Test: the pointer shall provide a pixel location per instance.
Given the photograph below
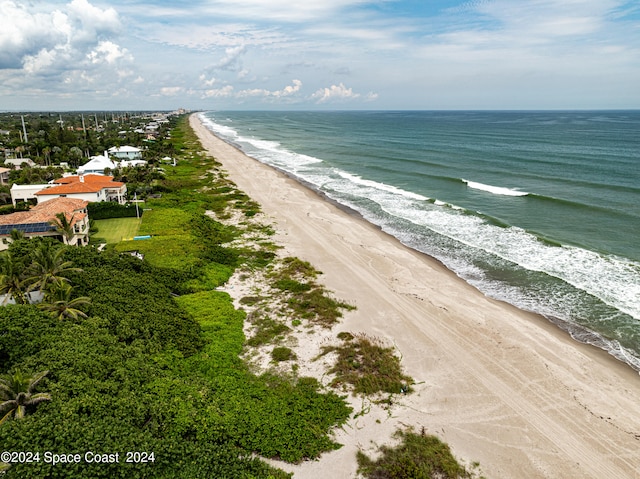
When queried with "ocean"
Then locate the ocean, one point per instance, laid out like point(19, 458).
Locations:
point(537, 209)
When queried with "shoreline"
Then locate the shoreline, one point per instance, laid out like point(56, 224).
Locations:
point(501, 386)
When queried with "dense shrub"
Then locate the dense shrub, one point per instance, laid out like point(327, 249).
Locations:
point(418, 456)
point(109, 209)
point(282, 353)
point(368, 366)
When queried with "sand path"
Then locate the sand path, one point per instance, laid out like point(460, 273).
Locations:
point(501, 386)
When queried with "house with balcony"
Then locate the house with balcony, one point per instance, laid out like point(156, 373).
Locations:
point(41, 221)
point(94, 188)
point(125, 153)
point(97, 165)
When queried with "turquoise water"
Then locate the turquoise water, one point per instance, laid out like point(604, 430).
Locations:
point(538, 209)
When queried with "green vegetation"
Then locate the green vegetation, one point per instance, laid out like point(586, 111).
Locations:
point(17, 393)
point(155, 365)
point(108, 209)
point(367, 366)
point(418, 456)
point(304, 297)
point(282, 353)
point(114, 230)
point(266, 329)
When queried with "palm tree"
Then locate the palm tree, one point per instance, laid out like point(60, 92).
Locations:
point(17, 394)
point(64, 226)
point(48, 267)
point(12, 279)
point(16, 234)
point(59, 304)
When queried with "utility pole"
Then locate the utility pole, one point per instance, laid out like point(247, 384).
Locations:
point(24, 129)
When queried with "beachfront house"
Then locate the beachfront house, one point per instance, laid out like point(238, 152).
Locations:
point(125, 153)
point(97, 165)
point(92, 187)
point(39, 221)
point(26, 193)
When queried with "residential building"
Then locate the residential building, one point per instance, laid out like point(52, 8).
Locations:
point(17, 162)
point(25, 193)
point(40, 221)
point(92, 187)
point(97, 165)
point(121, 153)
point(4, 175)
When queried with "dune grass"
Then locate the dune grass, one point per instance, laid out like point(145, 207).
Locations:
point(419, 456)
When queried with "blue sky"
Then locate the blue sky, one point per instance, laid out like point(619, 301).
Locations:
point(319, 54)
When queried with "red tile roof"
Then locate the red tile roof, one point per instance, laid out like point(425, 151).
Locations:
point(72, 184)
point(47, 211)
point(87, 179)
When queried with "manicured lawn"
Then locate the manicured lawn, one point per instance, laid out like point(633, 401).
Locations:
point(116, 229)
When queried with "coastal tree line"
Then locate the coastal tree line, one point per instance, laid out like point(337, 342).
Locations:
point(51, 140)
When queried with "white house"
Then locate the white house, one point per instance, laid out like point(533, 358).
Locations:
point(97, 164)
point(92, 187)
point(4, 175)
point(17, 162)
point(26, 192)
point(132, 163)
point(121, 153)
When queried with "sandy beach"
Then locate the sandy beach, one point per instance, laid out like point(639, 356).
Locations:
point(502, 387)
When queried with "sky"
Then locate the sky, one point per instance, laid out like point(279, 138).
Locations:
point(319, 55)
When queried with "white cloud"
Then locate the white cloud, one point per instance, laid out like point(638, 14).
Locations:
point(282, 10)
point(171, 90)
point(231, 61)
point(334, 93)
point(28, 33)
point(287, 91)
point(37, 39)
point(40, 61)
point(108, 52)
point(223, 92)
point(91, 22)
point(228, 91)
point(241, 52)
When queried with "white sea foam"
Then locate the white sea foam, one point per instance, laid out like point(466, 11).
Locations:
point(270, 152)
point(613, 280)
point(381, 186)
point(222, 130)
point(496, 190)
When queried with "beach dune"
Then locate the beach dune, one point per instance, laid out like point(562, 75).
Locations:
point(502, 387)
